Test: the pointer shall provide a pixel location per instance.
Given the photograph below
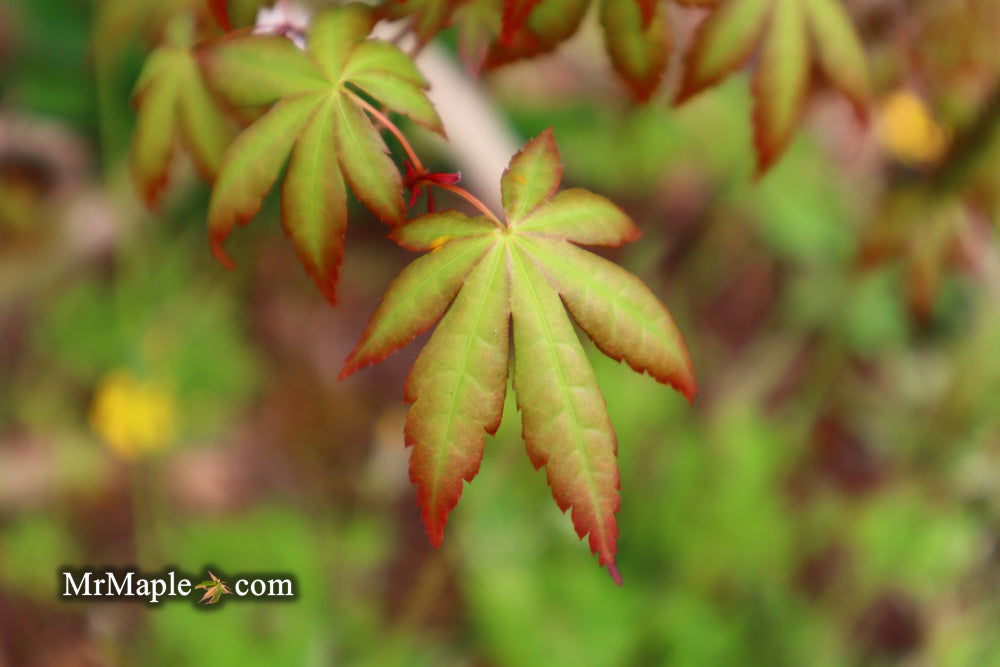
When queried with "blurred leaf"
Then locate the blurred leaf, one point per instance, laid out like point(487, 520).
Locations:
point(906, 541)
point(637, 43)
point(172, 101)
point(479, 23)
point(427, 17)
point(515, 15)
point(548, 24)
point(782, 29)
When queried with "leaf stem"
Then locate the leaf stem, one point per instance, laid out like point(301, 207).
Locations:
point(389, 125)
point(469, 197)
point(418, 165)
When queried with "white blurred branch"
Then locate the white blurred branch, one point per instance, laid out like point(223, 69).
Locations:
point(480, 141)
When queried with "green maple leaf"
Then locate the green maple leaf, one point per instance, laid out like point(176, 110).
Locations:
point(172, 101)
point(637, 40)
point(788, 35)
point(636, 35)
point(534, 28)
point(215, 588)
point(478, 279)
point(316, 116)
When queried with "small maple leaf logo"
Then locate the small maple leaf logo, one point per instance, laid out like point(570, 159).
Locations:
point(214, 589)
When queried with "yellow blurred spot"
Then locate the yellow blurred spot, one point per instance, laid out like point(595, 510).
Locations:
point(439, 241)
point(907, 129)
point(133, 417)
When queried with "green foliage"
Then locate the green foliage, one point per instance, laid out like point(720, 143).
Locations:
point(159, 321)
point(248, 634)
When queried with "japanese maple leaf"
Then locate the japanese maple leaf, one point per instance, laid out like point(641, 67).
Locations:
point(788, 35)
point(477, 23)
point(479, 278)
point(532, 28)
point(637, 40)
point(215, 588)
point(636, 35)
point(173, 102)
point(497, 32)
point(235, 13)
point(316, 116)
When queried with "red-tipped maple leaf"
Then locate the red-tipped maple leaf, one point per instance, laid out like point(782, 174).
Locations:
point(543, 27)
point(173, 103)
point(787, 35)
point(316, 117)
point(637, 40)
point(487, 281)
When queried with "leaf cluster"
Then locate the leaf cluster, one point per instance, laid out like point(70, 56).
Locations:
point(787, 35)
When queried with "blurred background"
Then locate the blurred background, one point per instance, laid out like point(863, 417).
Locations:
point(832, 497)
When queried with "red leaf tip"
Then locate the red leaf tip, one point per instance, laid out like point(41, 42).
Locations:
point(220, 254)
point(220, 12)
point(350, 367)
point(434, 528)
point(615, 575)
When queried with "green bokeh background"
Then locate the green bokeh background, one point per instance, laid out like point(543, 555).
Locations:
point(830, 499)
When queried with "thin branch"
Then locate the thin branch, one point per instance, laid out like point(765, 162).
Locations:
point(418, 165)
point(389, 125)
point(398, 38)
point(469, 197)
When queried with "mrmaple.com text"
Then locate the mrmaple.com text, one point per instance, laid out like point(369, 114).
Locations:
point(131, 585)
